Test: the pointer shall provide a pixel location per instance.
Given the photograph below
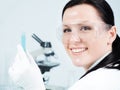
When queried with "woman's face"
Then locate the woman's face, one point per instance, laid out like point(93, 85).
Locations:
point(85, 37)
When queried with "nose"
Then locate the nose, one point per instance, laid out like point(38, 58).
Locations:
point(75, 37)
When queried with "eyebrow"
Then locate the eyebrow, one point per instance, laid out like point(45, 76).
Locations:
point(78, 23)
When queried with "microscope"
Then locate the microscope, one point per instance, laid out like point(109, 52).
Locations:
point(46, 64)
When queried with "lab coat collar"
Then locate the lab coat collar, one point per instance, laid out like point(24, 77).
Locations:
point(98, 64)
point(99, 60)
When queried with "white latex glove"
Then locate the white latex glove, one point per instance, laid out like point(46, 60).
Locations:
point(25, 73)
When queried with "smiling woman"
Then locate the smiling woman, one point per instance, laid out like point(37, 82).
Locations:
point(90, 39)
point(81, 39)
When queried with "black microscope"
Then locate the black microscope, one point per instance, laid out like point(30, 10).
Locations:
point(45, 65)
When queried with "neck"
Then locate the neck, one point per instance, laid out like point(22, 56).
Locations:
point(97, 61)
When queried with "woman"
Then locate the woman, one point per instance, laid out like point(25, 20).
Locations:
point(90, 39)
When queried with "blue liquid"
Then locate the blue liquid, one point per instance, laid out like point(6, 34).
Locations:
point(23, 41)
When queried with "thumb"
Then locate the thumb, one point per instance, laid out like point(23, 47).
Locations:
point(22, 55)
point(31, 60)
point(21, 52)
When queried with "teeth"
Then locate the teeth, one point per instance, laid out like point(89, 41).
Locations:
point(78, 50)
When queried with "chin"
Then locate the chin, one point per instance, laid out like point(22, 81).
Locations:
point(77, 64)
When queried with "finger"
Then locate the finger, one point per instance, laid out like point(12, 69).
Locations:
point(32, 61)
point(20, 50)
point(22, 54)
point(34, 64)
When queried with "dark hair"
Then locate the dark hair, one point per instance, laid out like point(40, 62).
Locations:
point(106, 14)
point(101, 6)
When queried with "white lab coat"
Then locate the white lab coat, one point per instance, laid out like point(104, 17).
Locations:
point(100, 79)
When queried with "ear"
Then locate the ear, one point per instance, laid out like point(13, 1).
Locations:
point(112, 34)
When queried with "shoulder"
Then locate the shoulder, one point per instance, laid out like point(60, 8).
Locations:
point(101, 79)
point(104, 73)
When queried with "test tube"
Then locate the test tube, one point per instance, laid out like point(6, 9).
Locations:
point(23, 41)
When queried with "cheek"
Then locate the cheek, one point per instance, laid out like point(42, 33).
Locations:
point(97, 47)
point(64, 44)
point(95, 44)
point(66, 47)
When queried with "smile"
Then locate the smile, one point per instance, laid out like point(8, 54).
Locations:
point(78, 50)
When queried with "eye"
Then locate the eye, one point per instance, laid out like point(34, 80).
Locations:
point(66, 30)
point(84, 28)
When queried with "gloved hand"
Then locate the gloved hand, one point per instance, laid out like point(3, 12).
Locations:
point(25, 73)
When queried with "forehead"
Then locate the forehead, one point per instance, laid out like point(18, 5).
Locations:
point(83, 12)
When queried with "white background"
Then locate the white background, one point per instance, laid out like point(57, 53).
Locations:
point(42, 18)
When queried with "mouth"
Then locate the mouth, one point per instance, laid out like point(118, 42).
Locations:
point(78, 50)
